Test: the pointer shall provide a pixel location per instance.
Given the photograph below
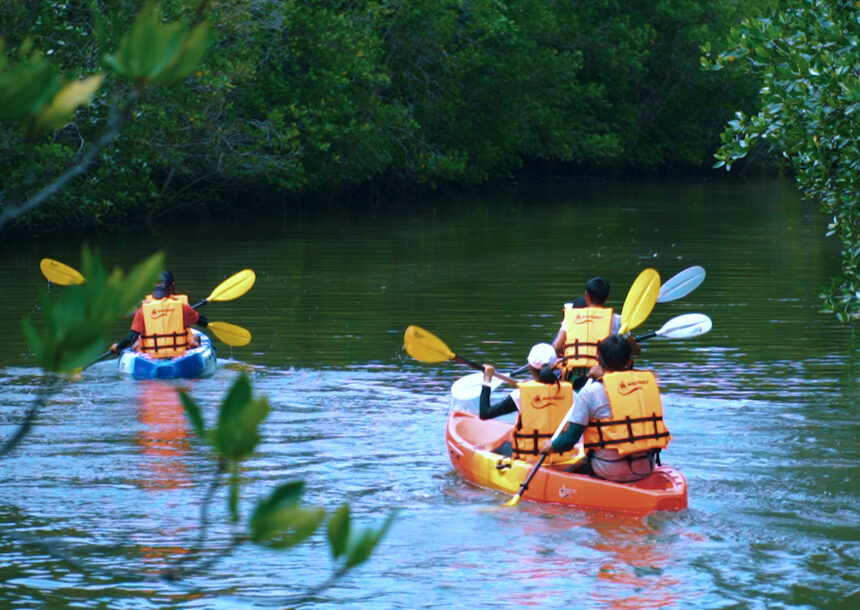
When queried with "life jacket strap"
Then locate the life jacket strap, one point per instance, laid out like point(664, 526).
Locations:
point(576, 345)
point(176, 340)
point(628, 422)
point(521, 439)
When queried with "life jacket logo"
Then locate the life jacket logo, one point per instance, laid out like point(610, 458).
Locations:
point(158, 314)
point(564, 492)
point(540, 402)
point(585, 319)
point(625, 388)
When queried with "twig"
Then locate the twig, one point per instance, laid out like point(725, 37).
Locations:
point(116, 119)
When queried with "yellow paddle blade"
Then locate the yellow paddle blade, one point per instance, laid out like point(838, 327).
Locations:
point(640, 300)
point(425, 346)
point(230, 333)
point(513, 501)
point(60, 274)
point(234, 286)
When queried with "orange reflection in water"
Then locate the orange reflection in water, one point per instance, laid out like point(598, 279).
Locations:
point(601, 559)
point(637, 566)
point(165, 445)
point(164, 438)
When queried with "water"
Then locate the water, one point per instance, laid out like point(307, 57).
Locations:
point(763, 410)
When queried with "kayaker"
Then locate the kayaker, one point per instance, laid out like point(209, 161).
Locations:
point(163, 322)
point(586, 322)
point(619, 449)
point(542, 404)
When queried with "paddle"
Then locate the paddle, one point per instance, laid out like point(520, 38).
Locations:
point(427, 347)
point(682, 327)
point(58, 273)
point(637, 307)
point(232, 288)
point(469, 386)
point(681, 284)
point(230, 334)
point(640, 300)
point(525, 484)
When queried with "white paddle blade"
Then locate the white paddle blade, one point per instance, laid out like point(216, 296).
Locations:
point(681, 284)
point(468, 387)
point(685, 326)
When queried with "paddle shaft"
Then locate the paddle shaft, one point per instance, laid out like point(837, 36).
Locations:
point(478, 367)
point(99, 359)
point(525, 484)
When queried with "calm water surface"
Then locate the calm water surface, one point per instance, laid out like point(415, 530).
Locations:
point(763, 410)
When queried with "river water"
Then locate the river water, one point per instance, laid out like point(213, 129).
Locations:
point(106, 490)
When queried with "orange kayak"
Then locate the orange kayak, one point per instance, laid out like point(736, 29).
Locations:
point(469, 441)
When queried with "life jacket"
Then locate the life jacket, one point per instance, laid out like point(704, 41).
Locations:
point(165, 334)
point(585, 327)
point(636, 423)
point(542, 407)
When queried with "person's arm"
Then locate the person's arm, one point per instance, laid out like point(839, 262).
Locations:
point(488, 411)
point(137, 329)
point(558, 342)
point(190, 316)
point(130, 338)
point(485, 409)
point(567, 439)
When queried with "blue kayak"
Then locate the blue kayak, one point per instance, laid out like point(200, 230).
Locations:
point(196, 362)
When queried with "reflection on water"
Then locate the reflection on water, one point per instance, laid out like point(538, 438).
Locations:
point(164, 436)
point(763, 412)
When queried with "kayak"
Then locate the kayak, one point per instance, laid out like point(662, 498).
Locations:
point(196, 362)
point(470, 441)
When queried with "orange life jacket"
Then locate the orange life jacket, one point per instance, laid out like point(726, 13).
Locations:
point(584, 327)
point(165, 334)
point(542, 407)
point(636, 423)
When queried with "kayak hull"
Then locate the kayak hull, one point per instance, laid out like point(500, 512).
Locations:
point(198, 362)
point(470, 440)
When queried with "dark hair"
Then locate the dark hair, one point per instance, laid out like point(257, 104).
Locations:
point(166, 278)
point(614, 353)
point(162, 287)
point(547, 375)
point(598, 289)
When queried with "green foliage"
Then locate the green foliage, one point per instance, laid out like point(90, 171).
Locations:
point(239, 418)
point(153, 52)
point(33, 91)
point(78, 323)
point(357, 548)
point(318, 97)
point(278, 521)
point(25, 87)
point(805, 57)
point(338, 531)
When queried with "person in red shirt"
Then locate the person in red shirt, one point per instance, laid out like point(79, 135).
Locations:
point(164, 290)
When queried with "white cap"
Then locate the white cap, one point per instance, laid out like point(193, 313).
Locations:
point(541, 354)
